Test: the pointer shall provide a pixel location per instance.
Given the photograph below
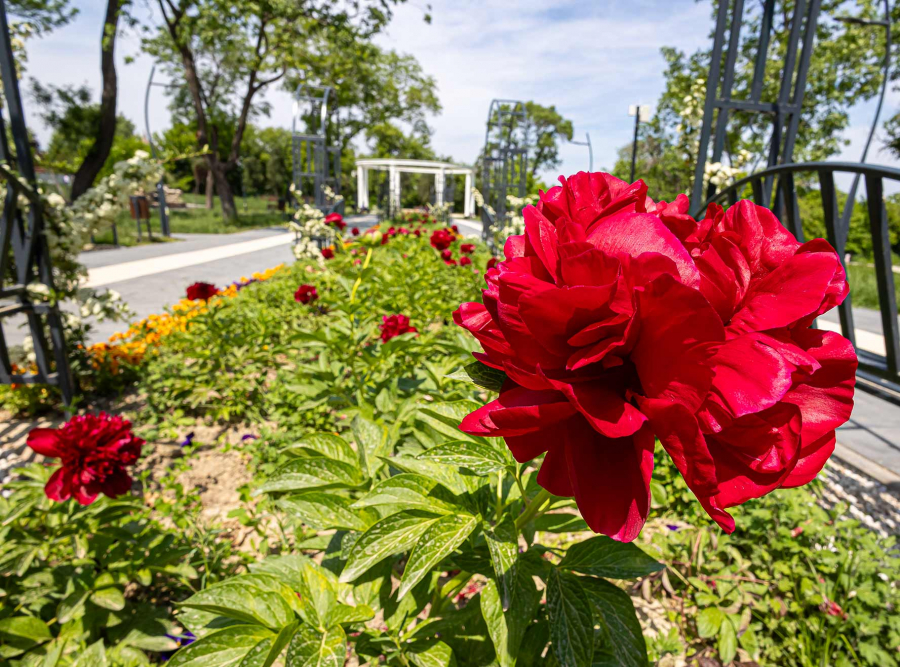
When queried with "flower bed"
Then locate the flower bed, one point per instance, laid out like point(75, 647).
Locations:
point(385, 533)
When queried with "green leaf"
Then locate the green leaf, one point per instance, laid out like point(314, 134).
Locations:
point(503, 545)
point(109, 598)
point(311, 648)
point(446, 417)
point(437, 542)
point(26, 627)
point(622, 638)
point(329, 445)
point(266, 652)
point(479, 457)
point(604, 557)
point(73, 605)
point(93, 656)
point(392, 535)
point(727, 641)
point(251, 598)
point(409, 491)
point(371, 441)
point(447, 477)
point(431, 654)
point(560, 523)
point(344, 613)
point(507, 628)
point(326, 511)
point(571, 619)
point(481, 375)
point(709, 621)
point(315, 587)
point(224, 648)
point(312, 473)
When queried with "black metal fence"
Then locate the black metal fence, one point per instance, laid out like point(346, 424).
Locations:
point(878, 373)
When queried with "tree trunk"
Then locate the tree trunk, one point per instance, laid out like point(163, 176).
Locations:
point(210, 189)
point(106, 131)
point(226, 195)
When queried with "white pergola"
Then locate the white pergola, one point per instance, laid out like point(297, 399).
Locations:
point(396, 166)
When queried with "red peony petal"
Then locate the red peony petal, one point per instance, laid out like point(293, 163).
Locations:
point(541, 234)
point(59, 486)
point(604, 409)
point(46, 442)
point(554, 472)
point(812, 459)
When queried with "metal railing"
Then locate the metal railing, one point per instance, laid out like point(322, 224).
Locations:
point(775, 188)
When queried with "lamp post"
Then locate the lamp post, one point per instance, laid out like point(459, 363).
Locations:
point(886, 24)
point(160, 187)
point(641, 112)
point(587, 143)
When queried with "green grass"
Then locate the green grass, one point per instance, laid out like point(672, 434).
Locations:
point(864, 288)
point(253, 213)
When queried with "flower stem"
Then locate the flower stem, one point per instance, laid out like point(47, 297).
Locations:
point(532, 508)
point(359, 279)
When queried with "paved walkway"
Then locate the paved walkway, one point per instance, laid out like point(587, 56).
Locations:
point(153, 276)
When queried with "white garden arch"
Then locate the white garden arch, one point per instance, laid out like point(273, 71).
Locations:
point(396, 166)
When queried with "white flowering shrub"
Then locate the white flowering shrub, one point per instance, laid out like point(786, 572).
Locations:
point(308, 224)
point(513, 222)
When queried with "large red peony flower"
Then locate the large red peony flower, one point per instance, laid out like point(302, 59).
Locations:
point(305, 294)
point(201, 291)
point(95, 451)
point(442, 238)
point(335, 219)
point(616, 324)
point(394, 325)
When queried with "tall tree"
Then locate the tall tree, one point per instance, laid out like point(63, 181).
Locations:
point(106, 123)
point(547, 128)
point(229, 51)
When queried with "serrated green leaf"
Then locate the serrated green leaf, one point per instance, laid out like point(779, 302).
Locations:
point(392, 535)
point(311, 648)
point(409, 491)
point(224, 648)
point(437, 542)
point(431, 654)
point(709, 621)
point(372, 443)
point(326, 511)
point(329, 445)
point(252, 598)
point(604, 557)
point(621, 637)
point(479, 457)
point(481, 375)
point(571, 620)
point(312, 473)
point(503, 545)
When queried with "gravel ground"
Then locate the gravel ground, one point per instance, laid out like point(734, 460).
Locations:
point(872, 503)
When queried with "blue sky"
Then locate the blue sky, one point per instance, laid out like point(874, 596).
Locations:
point(590, 58)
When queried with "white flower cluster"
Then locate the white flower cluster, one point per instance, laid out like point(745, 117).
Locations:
point(514, 222)
point(309, 224)
point(331, 195)
point(440, 213)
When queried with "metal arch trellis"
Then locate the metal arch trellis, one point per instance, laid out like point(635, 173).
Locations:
point(784, 111)
point(24, 253)
point(316, 163)
point(504, 159)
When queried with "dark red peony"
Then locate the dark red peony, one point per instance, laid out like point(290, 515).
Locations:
point(394, 325)
point(305, 294)
point(491, 263)
point(355, 231)
point(447, 254)
point(201, 291)
point(467, 248)
point(94, 450)
point(465, 261)
point(335, 219)
point(616, 325)
point(328, 252)
point(442, 238)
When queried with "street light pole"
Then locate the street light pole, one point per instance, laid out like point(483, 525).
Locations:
point(641, 112)
point(160, 187)
point(587, 143)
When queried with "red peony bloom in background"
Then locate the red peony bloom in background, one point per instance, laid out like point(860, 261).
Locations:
point(617, 321)
point(491, 263)
point(201, 291)
point(464, 261)
point(394, 325)
point(442, 238)
point(305, 294)
point(328, 253)
point(355, 231)
point(467, 248)
point(94, 450)
point(447, 254)
point(335, 219)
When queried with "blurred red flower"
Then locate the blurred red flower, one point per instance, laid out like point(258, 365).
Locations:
point(355, 231)
point(465, 261)
point(328, 253)
point(94, 451)
point(305, 294)
point(335, 219)
point(201, 291)
point(394, 325)
point(467, 248)
point(442, 238)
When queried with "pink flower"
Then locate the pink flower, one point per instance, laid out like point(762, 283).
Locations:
point(94, 451)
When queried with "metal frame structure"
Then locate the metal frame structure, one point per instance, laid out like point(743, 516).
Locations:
point(24, 253)
point(785, 111)
point(160, 186)
point(316, 163)
point(504, 159)
point(879, 370)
